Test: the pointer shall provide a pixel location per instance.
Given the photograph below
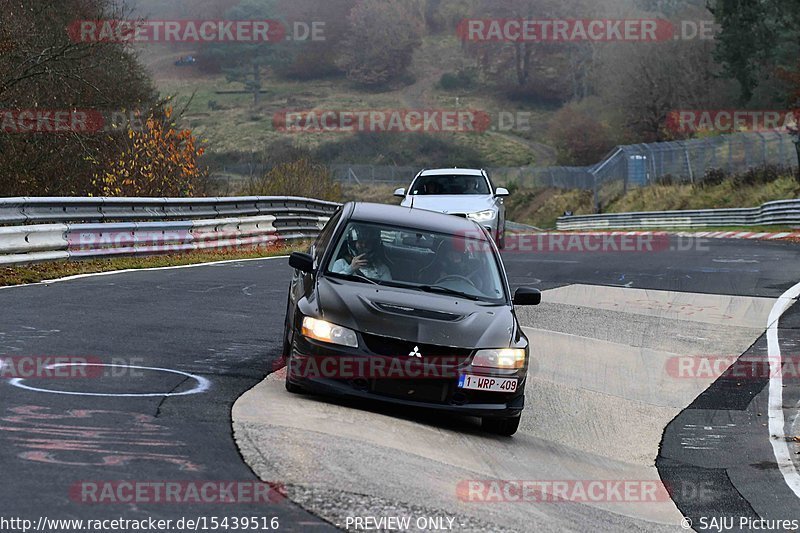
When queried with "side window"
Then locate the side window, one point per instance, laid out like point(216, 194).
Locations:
point(321, 244)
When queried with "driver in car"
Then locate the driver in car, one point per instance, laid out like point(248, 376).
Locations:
point(454, 260)
point(363, 255)
point(472, 186)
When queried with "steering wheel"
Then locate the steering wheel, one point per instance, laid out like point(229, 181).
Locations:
point(456, 277)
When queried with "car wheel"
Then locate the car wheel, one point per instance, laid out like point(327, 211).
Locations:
point(287, 356)
point(501, 426)
point(292, 387)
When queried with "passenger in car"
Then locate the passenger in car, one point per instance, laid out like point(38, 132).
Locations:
point(363, 254)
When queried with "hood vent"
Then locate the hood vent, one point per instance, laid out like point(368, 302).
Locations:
point(403, 310)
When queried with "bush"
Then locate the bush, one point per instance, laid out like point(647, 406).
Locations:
point(760, 175)
point(459, 81)
point(713, 177)
point(302, 177)
point(750, 178)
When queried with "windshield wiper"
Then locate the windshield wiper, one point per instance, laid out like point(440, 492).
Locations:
point(444, 290)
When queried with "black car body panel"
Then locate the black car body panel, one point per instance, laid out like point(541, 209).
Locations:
point(394, 322)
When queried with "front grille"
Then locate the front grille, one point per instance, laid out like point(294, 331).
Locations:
point(390, 347)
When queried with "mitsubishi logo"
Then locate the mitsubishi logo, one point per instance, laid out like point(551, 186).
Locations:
point(415, 353)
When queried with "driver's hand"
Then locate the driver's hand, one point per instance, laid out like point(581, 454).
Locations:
point(358, 262)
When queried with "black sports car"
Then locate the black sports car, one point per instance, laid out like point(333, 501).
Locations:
point(410, 307)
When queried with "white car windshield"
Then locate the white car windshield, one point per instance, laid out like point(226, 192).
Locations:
point(460, 265)
point(450, 185)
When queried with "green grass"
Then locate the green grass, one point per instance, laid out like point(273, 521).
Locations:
point(22, 274)
point(235, 125)
point(751, 229)
point(541, 207)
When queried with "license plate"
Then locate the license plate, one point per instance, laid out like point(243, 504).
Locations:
point(469, 382)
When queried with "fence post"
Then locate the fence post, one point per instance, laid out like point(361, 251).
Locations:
point(688, 161)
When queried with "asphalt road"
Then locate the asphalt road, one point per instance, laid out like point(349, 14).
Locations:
point(222, 322)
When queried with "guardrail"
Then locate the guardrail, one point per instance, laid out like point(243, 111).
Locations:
point(47, 229)
point(784, 212)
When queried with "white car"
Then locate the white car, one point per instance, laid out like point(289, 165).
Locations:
point(462, 192)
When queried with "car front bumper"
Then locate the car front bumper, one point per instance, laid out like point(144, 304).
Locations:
point(432, 393)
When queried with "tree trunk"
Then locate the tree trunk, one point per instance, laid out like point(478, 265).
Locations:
point(256, 85)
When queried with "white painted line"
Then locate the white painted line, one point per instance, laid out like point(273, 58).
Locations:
point(154, 269)
point(780, 235)
point(777, 423)
point(202, 383)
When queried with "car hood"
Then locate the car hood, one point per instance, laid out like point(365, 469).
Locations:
point(416, 316)
point(453, 204)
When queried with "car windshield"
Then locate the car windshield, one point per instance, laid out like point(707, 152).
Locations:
point(459, 265)
point(450, 184)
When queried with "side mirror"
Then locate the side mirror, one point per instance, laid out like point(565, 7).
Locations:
point(302, 262)
point(526, 296)
point(400, 193)
point(501, 192)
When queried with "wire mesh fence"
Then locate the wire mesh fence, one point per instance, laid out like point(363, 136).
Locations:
point(689, 161)
point(635, 165)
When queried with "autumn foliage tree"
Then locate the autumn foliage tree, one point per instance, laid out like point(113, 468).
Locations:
point(579, 137)
point(382, 40)
point(42, 67)
point(159, 160)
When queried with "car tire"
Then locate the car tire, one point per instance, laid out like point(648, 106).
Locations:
point(287, 356)
point(505, 426)
point(292, 387)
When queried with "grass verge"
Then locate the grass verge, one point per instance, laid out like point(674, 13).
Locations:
point(541, 207)
point(22, 274)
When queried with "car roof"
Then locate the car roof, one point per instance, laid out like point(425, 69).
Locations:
point(452, 172)
point(418, 219)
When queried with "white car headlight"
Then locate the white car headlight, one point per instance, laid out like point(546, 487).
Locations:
point(320, 330)
point(507, 358)
point(482, 216)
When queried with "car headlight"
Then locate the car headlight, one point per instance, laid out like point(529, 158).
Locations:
point(320, 330)
point(507, 358)
point(482, 216)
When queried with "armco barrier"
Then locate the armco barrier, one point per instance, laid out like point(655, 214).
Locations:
point(784, 212)
point(76, 228)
